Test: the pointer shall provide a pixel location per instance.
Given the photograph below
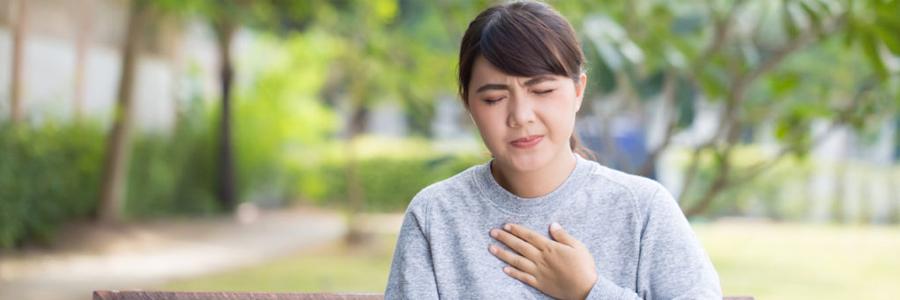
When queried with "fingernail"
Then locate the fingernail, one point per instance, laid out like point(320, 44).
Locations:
point(493, 249)
point(494, 232)
point(506, 269)
point(507, 227)
point(555, 226)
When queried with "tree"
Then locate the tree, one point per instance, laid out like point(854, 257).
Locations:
point(225, 18)
point(224, 26)
point(746, 58)
point(118, 147)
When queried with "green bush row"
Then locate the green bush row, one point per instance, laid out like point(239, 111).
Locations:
point(386, 184)
point(50, 174)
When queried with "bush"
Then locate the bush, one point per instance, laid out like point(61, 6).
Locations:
point(390, 173)
point(51, 174)
point(173, 174)
point(48, 175)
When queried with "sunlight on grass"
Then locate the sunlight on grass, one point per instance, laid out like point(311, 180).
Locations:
point(801, 261)
point(764, 260)
point(333, 268)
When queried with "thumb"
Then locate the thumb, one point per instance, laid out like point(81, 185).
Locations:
point(560, 235)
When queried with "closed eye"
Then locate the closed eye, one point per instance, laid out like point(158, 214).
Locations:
point(542, 92)
point(493, 101)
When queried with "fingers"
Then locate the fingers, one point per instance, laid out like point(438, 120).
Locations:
point(560, 235)
point(521, 276)
point(528, 235)
point(515, 243)
point(513, 259)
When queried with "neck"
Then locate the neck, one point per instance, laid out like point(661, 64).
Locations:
point(538, 182)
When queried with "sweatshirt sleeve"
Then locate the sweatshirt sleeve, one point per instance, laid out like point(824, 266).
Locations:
point(412, 271)
point(672, 263)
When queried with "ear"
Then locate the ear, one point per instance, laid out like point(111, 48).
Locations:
point(580, 87)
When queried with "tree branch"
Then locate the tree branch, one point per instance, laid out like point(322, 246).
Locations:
point(668, 95)
point(842, 119)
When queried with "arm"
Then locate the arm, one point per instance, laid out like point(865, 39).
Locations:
point(412, 271)
point(562, 268)
point(672, 263)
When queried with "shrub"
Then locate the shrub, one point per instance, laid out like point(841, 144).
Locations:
point(48, 175)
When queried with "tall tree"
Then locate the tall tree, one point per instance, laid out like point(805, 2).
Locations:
point(224, 26)
point(118, 142)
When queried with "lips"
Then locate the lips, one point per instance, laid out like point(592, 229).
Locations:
point(527, 142)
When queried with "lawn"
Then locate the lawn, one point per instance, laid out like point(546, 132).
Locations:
point(802, 261)
point(765, 260)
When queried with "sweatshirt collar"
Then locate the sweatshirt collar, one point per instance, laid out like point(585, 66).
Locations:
point(509, 202)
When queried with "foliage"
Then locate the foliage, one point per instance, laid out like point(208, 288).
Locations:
point(752, 62)
point(391, 172)
point(313, 62)
point(48, 175)
point(173, 174)
point(281, 111)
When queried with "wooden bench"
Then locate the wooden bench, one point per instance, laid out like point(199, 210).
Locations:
point(153, 295)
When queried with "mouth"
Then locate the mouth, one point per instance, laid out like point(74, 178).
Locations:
point(527, 142)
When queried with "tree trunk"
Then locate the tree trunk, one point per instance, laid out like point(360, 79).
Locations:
point(85, 12)
point(18, 58)
point(356, 235)
point(225, 28)
point(118, 146)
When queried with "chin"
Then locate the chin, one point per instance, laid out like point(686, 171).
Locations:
point(528, 162)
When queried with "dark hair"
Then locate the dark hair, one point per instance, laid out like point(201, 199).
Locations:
point(522, 39)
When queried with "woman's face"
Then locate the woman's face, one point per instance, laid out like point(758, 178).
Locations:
point(525, 122)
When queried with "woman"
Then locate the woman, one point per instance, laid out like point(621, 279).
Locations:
point(538, 220)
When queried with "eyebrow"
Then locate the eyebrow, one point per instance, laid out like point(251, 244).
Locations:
point(497, 86)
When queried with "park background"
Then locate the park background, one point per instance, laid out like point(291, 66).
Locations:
point(273, 145)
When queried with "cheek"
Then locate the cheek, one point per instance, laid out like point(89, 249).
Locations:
point(489, 124)
point(560, 119)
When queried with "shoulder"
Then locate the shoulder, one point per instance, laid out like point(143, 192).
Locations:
point(643, 192)
point(460, 184)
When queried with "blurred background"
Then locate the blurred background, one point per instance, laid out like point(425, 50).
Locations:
point(273, 145)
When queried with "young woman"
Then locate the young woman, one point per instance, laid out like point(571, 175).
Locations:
point(538, 220)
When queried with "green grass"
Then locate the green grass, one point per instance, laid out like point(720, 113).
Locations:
point(802, 261)
point(332, 268)
point(764, 260)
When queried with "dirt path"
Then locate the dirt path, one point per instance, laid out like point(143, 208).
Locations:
point(140, 256)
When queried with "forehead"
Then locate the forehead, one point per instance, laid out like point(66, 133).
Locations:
point(484, 71)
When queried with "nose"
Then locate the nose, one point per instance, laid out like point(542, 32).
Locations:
point(521, 112)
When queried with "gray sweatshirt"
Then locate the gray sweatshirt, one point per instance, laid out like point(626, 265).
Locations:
point(642, 244)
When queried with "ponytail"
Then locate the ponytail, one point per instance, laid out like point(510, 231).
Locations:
point(578, 148)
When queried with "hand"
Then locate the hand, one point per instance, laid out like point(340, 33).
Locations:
point(562, 269)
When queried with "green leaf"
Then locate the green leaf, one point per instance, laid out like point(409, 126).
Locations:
point(890, 39)
point(788, 21)
point(870, 51)
point(784, 84)
point(815, 19)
